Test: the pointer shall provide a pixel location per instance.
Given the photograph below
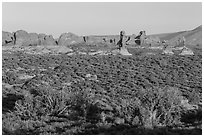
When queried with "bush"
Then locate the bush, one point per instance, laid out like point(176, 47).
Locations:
point(160, 106)
point(48, 104)
point(42, 103)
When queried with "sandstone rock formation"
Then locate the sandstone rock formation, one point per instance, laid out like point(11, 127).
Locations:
point(33, 39)
point(41, 37)
point(186, 51)
point(49, 40)
point(7, 38)
point(46, 39)
point(124, 51)
point(168, 51)
point(21, 37)
point(142, 37)
point(63, 50)
point(69, 38)
point(94, 39)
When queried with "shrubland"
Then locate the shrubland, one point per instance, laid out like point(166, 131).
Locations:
point(138, 94)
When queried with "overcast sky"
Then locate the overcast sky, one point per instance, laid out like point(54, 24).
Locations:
point(101, 18)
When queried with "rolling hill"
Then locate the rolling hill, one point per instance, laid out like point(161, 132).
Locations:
point(193, 37)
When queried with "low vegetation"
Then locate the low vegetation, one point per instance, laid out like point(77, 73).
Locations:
point(139, 94)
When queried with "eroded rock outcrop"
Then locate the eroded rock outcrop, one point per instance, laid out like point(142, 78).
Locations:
point(33, 39)
point(46, 39)
point(186, 51)
point(69, 38)
point(49, 40)
point(7, 38)
point(21, 38)
point(41, 38)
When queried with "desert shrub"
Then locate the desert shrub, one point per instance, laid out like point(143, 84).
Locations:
point(42, 103)
point(160, 106)
point(45, 105)
point(14, 125)
point(151, 107)
point(128, 109)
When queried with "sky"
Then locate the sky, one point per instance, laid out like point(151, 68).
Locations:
point(99, 18)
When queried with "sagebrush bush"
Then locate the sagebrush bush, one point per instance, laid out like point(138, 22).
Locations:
point(151, 107)
point(44, 102)
point(160, 106)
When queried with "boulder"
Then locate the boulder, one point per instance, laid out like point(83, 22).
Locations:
point(186, 51)
point(96, 52)
point(22, 38)
point(7, 38)
point(168, 51)
point(115, 51)
point(49, 40)
point(63, 50)
point(33, 39)
point(124, 51)
point(46, 39)
point(41, 37)
point(69, 38)
point(91, 77)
